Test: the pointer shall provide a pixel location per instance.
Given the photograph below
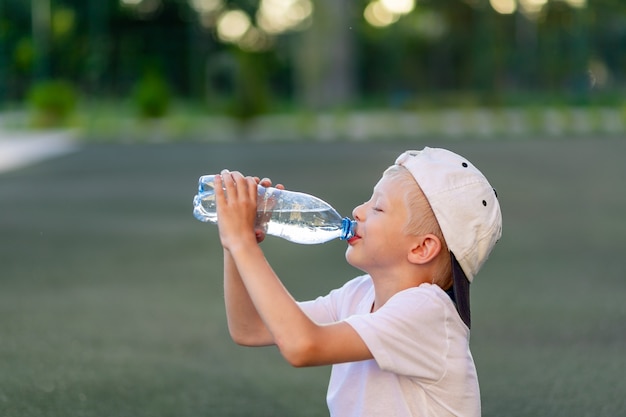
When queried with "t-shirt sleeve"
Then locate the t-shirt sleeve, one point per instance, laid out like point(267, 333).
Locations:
point(320, 310)
point(407, 335)
point(339, 303)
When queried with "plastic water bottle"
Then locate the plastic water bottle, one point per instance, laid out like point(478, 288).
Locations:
point(297, 217)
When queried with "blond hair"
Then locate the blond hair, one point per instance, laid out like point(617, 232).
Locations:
point(421, 220)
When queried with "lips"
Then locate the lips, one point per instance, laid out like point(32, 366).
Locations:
point(353, 239)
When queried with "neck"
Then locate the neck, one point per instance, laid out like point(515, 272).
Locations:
point(389, 285)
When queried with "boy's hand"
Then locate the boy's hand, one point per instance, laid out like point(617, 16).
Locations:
point(236, 198)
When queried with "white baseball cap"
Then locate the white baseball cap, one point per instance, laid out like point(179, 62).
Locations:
point(467, 209)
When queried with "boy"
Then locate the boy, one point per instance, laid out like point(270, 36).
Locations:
point(398, 337)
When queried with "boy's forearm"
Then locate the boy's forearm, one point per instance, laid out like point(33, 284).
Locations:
point(290, 328)
point(244, 323)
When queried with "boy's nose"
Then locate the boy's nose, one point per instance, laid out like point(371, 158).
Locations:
point(356, 211)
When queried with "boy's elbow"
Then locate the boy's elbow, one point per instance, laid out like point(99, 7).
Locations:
point(299, 353)
point(240, 339)
point(237, 337)
point(246, 338)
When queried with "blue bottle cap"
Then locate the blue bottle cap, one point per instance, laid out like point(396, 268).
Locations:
point(347, 228)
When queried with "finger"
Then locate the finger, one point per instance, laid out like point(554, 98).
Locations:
point(252, 187)
point(218, 188)
point(245, 188)
point(266, 182)
point(228, 183)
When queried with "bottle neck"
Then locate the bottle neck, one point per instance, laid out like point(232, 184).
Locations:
point(347, 228)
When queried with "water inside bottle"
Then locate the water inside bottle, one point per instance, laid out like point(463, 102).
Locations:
point(305, 226)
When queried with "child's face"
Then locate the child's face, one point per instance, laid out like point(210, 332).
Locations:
point(381, 241)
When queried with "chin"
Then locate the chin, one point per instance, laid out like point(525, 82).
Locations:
point(351, 259)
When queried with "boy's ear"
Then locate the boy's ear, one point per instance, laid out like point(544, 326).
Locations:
point(425, 248)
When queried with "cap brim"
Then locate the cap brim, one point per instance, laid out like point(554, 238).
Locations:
point(461, 289)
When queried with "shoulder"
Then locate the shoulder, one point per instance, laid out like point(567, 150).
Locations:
point(354, 297)
point(414, 332)
point(423, 296)
point(430, 303)
point(415, 313)
point(355, 287)
point(351, 298)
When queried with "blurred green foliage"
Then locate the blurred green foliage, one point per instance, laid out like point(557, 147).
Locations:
point(152, 96)
point(443, 51)
point(52, 102)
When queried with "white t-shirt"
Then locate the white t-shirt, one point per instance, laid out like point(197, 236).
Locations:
point(422, 363)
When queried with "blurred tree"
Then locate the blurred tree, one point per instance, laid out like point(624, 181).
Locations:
point(97, 56)
point(325, 66)
point(607, 33)
point(563, 55)
point(4, 61)
point(250, 96)
point(526, 68)
point(41, 36)
point(154, 36)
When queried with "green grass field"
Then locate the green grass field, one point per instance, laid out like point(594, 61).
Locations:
point(111, 300)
